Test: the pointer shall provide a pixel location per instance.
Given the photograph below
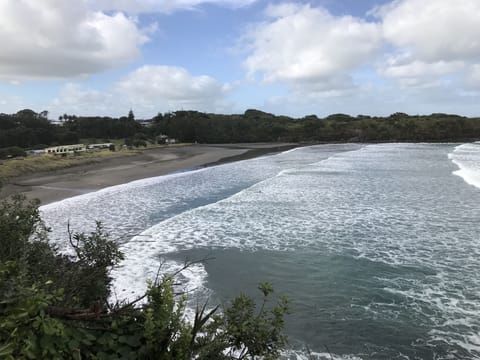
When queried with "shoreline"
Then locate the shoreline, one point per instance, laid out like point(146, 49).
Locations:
point(57, 185)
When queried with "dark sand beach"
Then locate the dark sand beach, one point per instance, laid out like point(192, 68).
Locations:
point(53, 186)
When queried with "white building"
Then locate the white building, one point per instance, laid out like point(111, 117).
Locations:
point(100, 146)
point(66, 149)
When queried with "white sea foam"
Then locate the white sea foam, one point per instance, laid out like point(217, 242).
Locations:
point(467, 158)
point(392, 204)
point(311, 355)
point(127, 210)
point(190, 229)
point(130, 279)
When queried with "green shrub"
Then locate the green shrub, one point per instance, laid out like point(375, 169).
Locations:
point(54, 306)
point(11, 152)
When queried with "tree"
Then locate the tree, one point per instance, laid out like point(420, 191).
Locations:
point(13, 151)
point(26, 114)
point(131, 116)
point(43, 114)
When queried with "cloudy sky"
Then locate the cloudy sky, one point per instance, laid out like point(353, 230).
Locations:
point(376, 57)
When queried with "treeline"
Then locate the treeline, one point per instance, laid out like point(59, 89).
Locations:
point(29, 130)
point(258, 126)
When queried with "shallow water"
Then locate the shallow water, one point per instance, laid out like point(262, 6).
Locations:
point(376, 245)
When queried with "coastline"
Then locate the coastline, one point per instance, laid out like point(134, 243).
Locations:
point(57, 185)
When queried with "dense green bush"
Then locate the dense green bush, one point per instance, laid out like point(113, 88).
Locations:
point(55, 306)
point(12, 151)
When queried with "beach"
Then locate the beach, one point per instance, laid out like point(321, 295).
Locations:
point(56, 185)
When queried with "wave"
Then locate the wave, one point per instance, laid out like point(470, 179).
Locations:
point(208, 225)
point(127, 210)
point(311, 355)
point(390, 216)
point(467, 158)
point(251, 218)
point(391, 204)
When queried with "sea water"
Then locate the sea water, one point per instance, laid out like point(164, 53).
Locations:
point(377, 246)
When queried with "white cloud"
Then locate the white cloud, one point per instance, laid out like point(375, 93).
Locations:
point(377, 100)
point(412, 72)
point(472, 77)
point(162, 6)
point(425, 44)
point(148, 90)
point(171, 88)
point(74, 99)
point(440, 30)
point(300, 43)
point(417, 68)
point(11, 104)
point(60, 39)
point(431, 40)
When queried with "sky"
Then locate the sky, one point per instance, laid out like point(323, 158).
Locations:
point(370, 57)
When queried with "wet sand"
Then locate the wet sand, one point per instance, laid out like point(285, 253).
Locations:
point(53, 186)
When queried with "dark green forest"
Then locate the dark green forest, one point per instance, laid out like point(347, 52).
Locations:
point(30, 130)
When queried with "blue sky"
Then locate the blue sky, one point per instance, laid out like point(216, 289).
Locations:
point(103, 57)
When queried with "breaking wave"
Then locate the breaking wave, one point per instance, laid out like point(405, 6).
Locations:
point(377, 244)
point(467, 158)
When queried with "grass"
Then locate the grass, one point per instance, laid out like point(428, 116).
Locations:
point(120, 142)
point(35, 164)
point(18, 167)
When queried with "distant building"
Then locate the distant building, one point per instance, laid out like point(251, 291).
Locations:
point(56, 122)
point(66, 149)
point(146, 122)
point(164, 139)
point(36, 152)
point(110, 146)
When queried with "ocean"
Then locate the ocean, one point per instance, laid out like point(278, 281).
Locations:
point(376, 246)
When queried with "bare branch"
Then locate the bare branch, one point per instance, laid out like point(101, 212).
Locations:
point(156, 283)
point(70, 239)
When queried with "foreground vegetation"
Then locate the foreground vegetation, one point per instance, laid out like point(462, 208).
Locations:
point(55, 306)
